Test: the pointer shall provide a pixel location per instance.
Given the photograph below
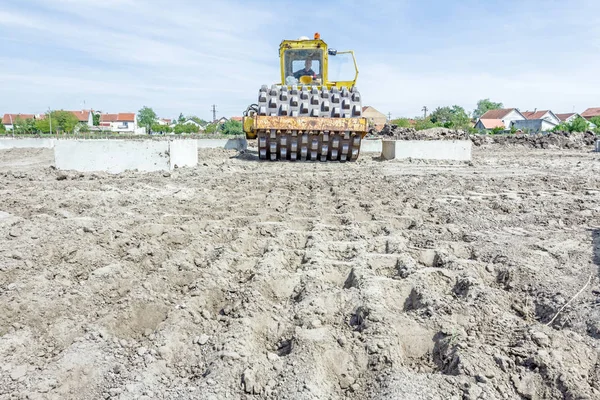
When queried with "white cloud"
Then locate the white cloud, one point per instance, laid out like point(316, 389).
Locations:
point(183, 56)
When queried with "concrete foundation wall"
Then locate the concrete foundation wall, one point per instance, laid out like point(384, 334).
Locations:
point(228, 144)
point(115, 156)
point(455, 150)
point(371, 146)
point(183, 153)
point(598, 145)
point(26, 143)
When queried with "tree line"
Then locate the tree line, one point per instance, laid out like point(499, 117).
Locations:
point(148, 119)
point(453, 117)
point(456, 117)
point(58, 121)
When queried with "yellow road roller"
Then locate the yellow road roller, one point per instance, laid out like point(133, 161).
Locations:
point(315, 113)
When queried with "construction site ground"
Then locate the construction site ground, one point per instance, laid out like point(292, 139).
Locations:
point(249, 279)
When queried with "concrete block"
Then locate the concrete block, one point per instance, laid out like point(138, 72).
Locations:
point(597, 145)
point(183, 153)
point(115, 155)
point(371, 146)
point(228, 144)
point(26, 143)
point(455, 150)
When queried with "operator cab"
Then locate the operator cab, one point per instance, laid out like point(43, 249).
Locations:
point(303, 66)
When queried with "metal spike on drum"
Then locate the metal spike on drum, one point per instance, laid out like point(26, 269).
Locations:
point(330, 136)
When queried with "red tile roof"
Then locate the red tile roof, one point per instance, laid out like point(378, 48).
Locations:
point(497, 114)
point(491, 123)
point(82, 116)
point(565, 116)
point(236, 119)
point(126, 117)
point(120, 117)
point(591, 112)
point(534, 114)
point(108, 118)
point(8, 119)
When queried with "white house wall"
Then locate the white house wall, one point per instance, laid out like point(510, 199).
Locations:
point(550, 117)
point(534, 125)
point(514, 115)
point(548, 126)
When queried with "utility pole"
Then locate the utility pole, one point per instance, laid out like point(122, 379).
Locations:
point(389, 116)
point(214, 111)
point(424, 111)
point(50, 116)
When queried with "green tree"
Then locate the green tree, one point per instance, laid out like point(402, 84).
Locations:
point(185, 128)
point(425, 123)
point(181, 119)
point(579, 124)
point(197, 120)
point(596, 121)
point(211, 128)
point(43, 125)
point(147, 117)
point(441, 115)
point(232, 127)
point(401, 122)
point(484, 106)
point(63, 121)
point(454, 117)
point(96, 118)
point(2, 128)
point(161, 128)
point(460, 118)
point(24, 125)
point(497, 130)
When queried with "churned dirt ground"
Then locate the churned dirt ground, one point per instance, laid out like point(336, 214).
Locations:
point(246, 279)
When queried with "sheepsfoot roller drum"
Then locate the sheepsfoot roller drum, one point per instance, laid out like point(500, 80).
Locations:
point(297, 138)
point(309, 116)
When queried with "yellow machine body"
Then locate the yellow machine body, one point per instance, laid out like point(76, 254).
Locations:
point(308, 116)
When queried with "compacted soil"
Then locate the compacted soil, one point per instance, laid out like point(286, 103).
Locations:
point(248, 279)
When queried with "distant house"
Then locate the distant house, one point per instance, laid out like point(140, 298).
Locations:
point(376, 117)
point(567, 117)
point(192, 122)
point(84, 117)
point(489, 124)
point(534, 125)
point(591, 113)
point(120, 123)
point(543, 114)
point(506, 115)
point(238, 119)
point(163, 121)
point(8, 120)
point(221, 120)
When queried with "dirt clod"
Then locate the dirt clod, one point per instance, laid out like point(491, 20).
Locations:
point(247, 279)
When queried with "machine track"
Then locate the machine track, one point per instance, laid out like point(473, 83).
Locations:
point(309, 101)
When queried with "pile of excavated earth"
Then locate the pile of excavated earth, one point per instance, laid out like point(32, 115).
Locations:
point(575, 140)
point(278, 280)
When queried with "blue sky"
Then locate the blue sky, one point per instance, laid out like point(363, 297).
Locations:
point(183, 56)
